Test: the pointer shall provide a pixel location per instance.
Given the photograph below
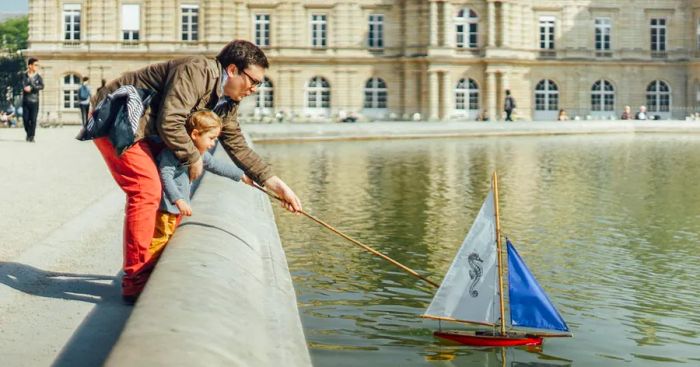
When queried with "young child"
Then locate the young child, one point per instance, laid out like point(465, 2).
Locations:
point(203, 127)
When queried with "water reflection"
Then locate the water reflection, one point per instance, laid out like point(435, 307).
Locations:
point(608, 225)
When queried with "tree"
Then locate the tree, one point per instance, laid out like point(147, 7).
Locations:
point(11, 68)
point(14, 33)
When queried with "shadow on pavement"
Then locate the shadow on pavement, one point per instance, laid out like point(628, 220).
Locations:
point(77, 287)
point(93, 340)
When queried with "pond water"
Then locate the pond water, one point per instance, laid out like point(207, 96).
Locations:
point(608, 224)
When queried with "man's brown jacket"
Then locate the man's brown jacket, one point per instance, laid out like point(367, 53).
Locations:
point(183, 86)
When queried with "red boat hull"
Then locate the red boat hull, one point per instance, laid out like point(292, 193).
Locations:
point(486, 340)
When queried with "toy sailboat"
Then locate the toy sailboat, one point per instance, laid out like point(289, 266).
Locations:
point(475, 280)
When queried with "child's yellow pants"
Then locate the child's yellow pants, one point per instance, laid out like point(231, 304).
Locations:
point(165, 227)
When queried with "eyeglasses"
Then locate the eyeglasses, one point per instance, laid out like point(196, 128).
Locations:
point(254, 82)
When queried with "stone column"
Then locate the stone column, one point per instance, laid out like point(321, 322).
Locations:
point(420, 82)
point(433, 24)
point(434, 100)
point(294, 98)
point(338, 92)
point(505, 17)
point(492, 24)
point(447, 96)
point(402, 94)
point(94, 73)
point(447, 16)
point(491, 94)
point(350, 105)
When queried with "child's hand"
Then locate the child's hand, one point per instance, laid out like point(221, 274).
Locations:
point(183, 207)
point(247, 180)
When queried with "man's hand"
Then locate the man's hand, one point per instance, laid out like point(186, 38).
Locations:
point(183, 207)
point(196, 169)
point(27, 89)
point(291, 201)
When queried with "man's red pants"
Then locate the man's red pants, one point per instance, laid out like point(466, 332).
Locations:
point(135, 171)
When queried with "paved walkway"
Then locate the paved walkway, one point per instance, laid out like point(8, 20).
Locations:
point(60, 251)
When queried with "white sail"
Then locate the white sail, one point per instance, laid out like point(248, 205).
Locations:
point(468, 292)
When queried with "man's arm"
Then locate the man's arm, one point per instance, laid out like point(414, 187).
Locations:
point(39, 85)
point(180, 95)
point(235, 145)
point(26, 83)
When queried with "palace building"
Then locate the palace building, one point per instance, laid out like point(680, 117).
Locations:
point(391, 60)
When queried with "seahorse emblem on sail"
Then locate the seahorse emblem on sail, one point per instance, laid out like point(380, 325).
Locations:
point(474, 272)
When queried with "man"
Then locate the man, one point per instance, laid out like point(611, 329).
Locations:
point(626, 113)
point(181, 87)
point(509, 105)
point(642, 114)
point(32, 83)
point(84, 94)
point(103, 82)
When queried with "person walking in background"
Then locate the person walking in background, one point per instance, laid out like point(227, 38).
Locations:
point(103, 83)
point(11, 114)
point(32, 83)
point(563, 116)
point(626, 114)
point(84, 95)
point(182, 86)
point(509, 105)
point(483, 116)
point(642, 114)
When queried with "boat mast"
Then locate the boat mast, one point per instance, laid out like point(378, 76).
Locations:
point(498, 246)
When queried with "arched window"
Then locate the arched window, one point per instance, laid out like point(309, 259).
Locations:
point(546, 96)
point(71, 84)
point(467, 95)
point(658, 96)
point(318, 93)
point(265, 96)
point(375, 93)
point(467, 28)
point(602, 96)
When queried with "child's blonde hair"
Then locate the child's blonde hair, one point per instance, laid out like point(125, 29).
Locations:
point(203, 121)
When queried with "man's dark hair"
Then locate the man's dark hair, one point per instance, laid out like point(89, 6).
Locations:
point(242, 54)
point(507, 92)
point(32, 60)
point(85, 78)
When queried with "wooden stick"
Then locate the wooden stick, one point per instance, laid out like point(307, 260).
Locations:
point(500, 260)
point(356, 242)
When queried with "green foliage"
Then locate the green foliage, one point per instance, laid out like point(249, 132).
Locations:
point(11, 68)
point(14, 33)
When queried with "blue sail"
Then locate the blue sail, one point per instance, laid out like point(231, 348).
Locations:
point(529, 304)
